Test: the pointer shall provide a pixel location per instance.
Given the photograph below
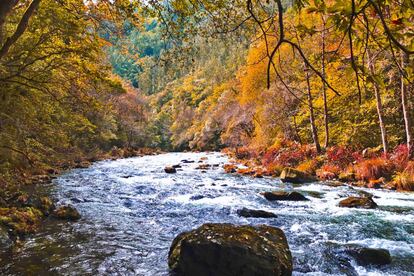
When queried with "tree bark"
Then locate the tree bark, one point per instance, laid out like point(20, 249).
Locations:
point(314, 130)
point(405, 91)
point(5, 9)
point(378, 100)
point(21, 28)
point(325, 102)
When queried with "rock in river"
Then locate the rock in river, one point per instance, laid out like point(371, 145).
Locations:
point(295, 176)
point(249, 213)
point(288, 196)
point(358, 202)
point(170, 169)
point(67, 212)
point(226, 249)
point(369, 256)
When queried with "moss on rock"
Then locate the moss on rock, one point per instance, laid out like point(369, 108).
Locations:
point(226, 249)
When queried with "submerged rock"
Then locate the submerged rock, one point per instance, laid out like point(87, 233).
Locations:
point(295, 176)
point(226, 249)
point(67, 212)
point(288, 196)
point(358, 202)
point(249, 213)
point(369, 256)
point(185, 161)
point(170, 169)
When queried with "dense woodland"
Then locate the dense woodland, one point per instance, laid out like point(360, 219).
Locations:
point(324, 86)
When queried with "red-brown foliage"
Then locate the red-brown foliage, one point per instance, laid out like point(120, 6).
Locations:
point(372, 169)
point(290, 156)
point(400, 157)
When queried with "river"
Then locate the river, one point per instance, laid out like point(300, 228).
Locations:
point(131, 211)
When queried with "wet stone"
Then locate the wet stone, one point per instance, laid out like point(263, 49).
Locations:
point(226, 249)
point(284, 196)
point(358, 202)
point(170, 169)
point(250, 213)
point(369, 256)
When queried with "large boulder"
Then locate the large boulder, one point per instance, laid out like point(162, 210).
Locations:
point(250, 213)
point(295, 176)
point(369, 256)
point(287, 196)
point(358, 202)
point(226, 249)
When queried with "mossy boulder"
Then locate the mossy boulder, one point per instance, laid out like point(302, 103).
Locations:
point(44, 204)
point(66, 212)
point(285, 196)
point(226, 249)
point(358, 202)
point(295, 176)
point(20, 221)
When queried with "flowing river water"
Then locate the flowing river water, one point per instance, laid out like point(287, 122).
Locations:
point(131, 211)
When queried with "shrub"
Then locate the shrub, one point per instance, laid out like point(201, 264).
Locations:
point(274, 169)
point(329, 171)
point(309, 166)
point(405, 180)
point(246, 153)
point(340, 156)
point(400, 157)
point(373, 169)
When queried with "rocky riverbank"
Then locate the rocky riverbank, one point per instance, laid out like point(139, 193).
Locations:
point(23, 209)
point(337, 166)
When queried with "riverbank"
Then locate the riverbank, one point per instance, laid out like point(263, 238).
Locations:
point(367, 168)
point(23, 208)
point(132, 210)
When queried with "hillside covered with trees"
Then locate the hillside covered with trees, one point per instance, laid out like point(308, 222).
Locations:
point(321, 85)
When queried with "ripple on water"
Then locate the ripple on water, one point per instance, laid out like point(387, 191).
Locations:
point(132, 210)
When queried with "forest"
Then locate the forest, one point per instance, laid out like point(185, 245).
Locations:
point(325, 88)
point(279, 83)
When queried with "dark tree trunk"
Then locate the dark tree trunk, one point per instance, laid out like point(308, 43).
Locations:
point(21, 28)
point(314, 130)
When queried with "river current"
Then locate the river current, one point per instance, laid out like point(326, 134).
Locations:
point(131, 211)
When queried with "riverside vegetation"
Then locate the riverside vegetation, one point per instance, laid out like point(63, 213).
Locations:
point(312, 90)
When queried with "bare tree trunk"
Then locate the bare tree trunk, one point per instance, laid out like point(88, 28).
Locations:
point(5, 8)
point(21, 28)
point(405, 91)
point(325, 102)
point(371, 67)
point(314, 130)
